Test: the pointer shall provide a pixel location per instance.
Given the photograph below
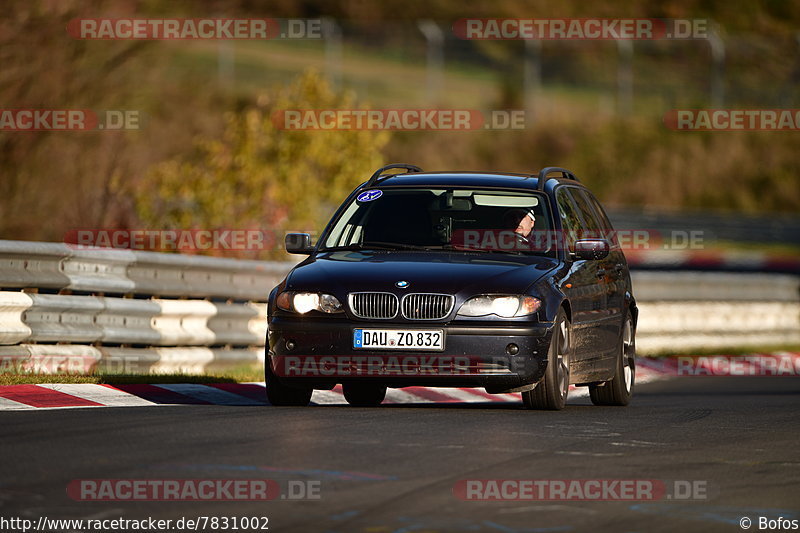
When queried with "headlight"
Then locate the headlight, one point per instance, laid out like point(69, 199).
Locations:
point(504, 306)
point(303, 302)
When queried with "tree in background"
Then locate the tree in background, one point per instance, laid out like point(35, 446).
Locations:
point(259, 176)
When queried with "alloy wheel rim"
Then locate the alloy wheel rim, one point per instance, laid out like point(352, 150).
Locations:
point(562, 359)
point(627, 341)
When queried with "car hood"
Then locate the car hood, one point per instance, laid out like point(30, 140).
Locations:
point(451, 273)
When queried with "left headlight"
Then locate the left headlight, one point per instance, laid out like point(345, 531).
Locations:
point(303, 302)
point(501, 305)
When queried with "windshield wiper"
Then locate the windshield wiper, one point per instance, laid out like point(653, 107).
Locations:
point(468, 250)
point(393, 245)
point(452, 248)
point(381, 245)
point(376, 245)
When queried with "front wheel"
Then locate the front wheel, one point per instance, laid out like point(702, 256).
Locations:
point(363, 394)
point(619, 390)
point(551, 392)
point(283, 395)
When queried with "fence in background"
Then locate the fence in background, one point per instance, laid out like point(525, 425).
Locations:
point(69, 309)
point(711, 70)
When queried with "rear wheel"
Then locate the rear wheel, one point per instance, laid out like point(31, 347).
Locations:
point(283, 395)
point(551, 392)
point(618, 391)
point(363, 394)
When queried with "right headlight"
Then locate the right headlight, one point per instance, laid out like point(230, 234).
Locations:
point(303, 302)
point(506, 306)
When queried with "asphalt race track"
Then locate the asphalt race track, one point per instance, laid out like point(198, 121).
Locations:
point(393, 468)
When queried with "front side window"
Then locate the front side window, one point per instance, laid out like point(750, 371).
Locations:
point(442, 219)
point(601, 214)
point(591, 224)
point(570, 221)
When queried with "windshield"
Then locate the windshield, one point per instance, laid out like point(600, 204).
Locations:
point(442, 219)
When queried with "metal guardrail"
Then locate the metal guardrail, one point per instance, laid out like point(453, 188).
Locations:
point(82, 359)
point(709, 310)
point(64, 307)
point(715, 286)
point(60, 318)
point(60, 267)
point(781, 228)
point(151, 312)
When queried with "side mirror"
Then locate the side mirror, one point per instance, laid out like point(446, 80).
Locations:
point(589, 249)
point(298, 243)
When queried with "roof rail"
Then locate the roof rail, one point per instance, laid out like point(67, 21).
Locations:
point(566, 174)
point(378, 173)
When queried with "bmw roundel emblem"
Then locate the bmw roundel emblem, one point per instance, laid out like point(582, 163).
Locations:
point(401, 284)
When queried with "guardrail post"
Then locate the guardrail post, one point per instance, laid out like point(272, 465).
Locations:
point(532, 76)
point(332, 34)
point(435, 61)
point(717, 67)
point(624, 76)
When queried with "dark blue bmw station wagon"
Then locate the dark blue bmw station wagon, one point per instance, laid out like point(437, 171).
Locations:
point(510, 282)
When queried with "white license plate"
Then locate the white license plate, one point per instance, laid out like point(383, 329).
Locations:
point(399, 339)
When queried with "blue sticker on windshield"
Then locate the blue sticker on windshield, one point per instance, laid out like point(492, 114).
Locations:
point(368, 196)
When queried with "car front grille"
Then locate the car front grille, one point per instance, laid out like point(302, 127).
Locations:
point(427, 306)
point(415, 306)
point(373, 304)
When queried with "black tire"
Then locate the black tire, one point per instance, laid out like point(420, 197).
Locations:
point(363, 394)
point(619, 390)
point(551, 392)
point(282, 395)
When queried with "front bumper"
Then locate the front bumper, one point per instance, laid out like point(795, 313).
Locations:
point(319, 353)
